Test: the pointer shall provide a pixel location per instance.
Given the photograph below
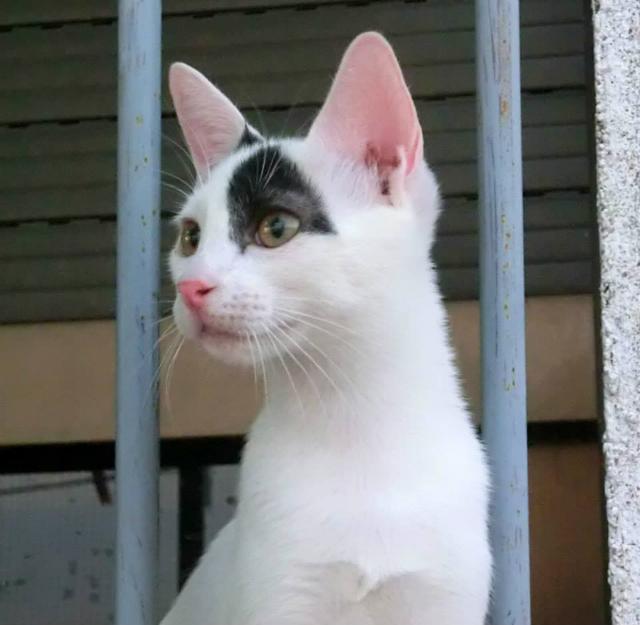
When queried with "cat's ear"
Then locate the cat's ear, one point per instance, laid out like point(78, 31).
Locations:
point(212, 126)
point(369, 115)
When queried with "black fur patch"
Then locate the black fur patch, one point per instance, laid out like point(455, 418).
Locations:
point(269, 181)
point(249, 137)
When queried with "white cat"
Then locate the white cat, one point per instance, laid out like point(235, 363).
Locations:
point(363, 488)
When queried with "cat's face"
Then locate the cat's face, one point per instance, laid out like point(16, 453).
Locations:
point(283, 243)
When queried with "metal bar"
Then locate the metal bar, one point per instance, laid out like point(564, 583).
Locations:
point(504, 416)
point(137, 463)
point(191, 518)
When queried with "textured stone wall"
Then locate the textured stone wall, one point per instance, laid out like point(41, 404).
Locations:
point(617, 75)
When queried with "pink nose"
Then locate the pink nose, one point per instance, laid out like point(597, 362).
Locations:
point(193, 292)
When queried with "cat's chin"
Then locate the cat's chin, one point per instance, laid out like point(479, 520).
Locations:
point(231, 349)
point(241, 350)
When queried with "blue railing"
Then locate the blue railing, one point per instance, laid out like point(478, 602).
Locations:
point(501, 295)
point(504, 399)
point(137, 435)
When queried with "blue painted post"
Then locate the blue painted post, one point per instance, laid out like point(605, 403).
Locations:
point(137, 467)
point(504, 414)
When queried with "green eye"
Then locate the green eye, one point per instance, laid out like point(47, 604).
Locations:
point(189, 237)
point(277, 228)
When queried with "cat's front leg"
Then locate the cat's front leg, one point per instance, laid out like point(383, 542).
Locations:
point(210, 590)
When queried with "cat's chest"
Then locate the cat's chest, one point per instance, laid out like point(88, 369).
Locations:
point(343, 511)
point(380, 539)
point(384, 478)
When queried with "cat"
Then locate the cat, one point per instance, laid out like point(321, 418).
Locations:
point(363, 486)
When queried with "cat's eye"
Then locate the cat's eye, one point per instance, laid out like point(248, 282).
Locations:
point(277, 228)
point(189, 237)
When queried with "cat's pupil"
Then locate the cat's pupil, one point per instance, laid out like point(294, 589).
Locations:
point(189, 237)
point(194, 236)
point(277, 227)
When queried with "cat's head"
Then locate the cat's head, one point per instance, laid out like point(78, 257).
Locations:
point(286, 242)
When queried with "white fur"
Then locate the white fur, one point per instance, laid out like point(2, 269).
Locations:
point(363, 491)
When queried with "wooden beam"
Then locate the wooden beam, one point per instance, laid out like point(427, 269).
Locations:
point(57, 379)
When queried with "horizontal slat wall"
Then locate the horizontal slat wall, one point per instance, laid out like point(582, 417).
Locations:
point(57, 131)
point(99, 302)
point(46, 170)
point(278, 57)
point(65, 268)
point(27, 12)
point(45, 12)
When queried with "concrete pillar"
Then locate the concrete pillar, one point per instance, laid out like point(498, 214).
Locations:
point(617, 82)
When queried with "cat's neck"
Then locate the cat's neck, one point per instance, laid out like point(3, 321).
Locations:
point(390, 369)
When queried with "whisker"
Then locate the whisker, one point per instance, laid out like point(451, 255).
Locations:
point(313, 300)
point(264, 170)
point(173, 187)
point(320, 319)
point(314, 361)
point(166, 334)
point(273, 167)
point(186, 184)
point(249, 338)
point(253, 106)
point(271, 336)
point(305, 124)
point(187, 164)
point(170, 370)
point(302, 367)
point(162, 319)
point(263, 366)
point(288, 317)
point(258, 112)
point(295, 102)
point(163, 361)
point(331, 361)
point(263, 162)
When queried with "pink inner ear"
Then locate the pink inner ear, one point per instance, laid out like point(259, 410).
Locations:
point(369, 110)
point(211, 124)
